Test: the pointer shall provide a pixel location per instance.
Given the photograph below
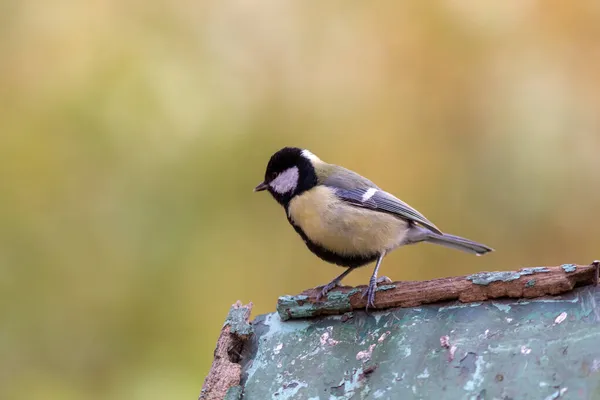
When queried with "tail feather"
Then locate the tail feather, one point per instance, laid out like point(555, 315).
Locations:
point(458, 243)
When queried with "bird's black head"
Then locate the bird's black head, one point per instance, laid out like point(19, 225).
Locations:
point(289, 172)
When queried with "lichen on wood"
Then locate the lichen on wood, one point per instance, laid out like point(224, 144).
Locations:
point(525, 283)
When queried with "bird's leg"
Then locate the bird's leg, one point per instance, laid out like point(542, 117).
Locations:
point(372, 288)
point(336, 282)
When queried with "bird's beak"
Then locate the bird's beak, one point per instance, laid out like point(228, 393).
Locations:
point(261, 186)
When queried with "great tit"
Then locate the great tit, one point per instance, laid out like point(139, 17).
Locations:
point(344, 218)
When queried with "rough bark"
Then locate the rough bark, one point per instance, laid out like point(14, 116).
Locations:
point(525, 283)
point(225, 374)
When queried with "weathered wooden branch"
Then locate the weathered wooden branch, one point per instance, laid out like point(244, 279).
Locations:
point(525, 283)
point(224, 377)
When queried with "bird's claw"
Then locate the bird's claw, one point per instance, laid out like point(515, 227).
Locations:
point(369, 293)
point(324, 289)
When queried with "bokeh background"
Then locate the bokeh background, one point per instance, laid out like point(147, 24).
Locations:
point(132, 134)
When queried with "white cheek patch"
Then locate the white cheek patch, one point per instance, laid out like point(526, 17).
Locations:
point(307, 154)
point(285, 181)
point(368, 194)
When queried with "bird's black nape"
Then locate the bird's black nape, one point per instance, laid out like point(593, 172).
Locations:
point(284, 159)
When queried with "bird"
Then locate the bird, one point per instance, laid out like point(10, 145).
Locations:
point(345, 219)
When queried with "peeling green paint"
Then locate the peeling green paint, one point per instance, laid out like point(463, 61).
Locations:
point(502, 306)
point(530, 283)
point(350, 386)
point(385, 287)
point(337, 300)
point(291, 307)
point(569, 267)
point(337, 295)
point(520, 352)
point(485, 278)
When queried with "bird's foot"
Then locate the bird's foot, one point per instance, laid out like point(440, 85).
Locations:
point(369, 292)
point(324, 289)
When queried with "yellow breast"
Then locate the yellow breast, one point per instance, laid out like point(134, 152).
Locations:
point(344, 229)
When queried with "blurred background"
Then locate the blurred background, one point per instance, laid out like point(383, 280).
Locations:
point(132, 134)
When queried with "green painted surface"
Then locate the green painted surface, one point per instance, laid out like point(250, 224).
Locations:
point(505, 349)
point(234, 393)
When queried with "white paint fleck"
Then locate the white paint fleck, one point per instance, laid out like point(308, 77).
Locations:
point(595, 365)
point(445, 308)
point(525, 350)
point(352, 384)
point(377, 317)
point(312, 353)
point(423, 375)
point(365, 355)
point(277, 326)
point(543, 384)
point(278, 348)
point(374, 334)
point(383, 337)
point(407, 352)
point(309, 155)
point(561, 317)
point(368, 194)
point(509, 320)
point(414, 389)
point(477, 379)
point(557, 394)
point(379, 394)
point(575, 300)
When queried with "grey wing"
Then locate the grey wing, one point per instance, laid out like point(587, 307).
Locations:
point(377, 199)
point(347, 179)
